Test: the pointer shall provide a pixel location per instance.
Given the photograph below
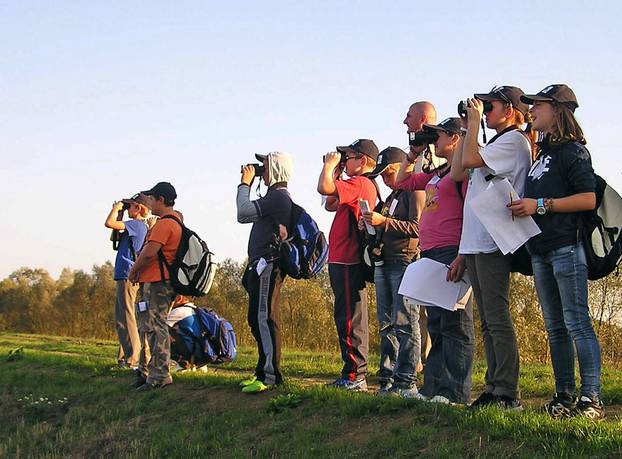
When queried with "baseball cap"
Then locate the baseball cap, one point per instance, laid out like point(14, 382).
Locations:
point(559, 93)
point(449, 125)
point(386, 157)
point(506, 94)
point(361, 147)
point(164, 189)
point(137, 198)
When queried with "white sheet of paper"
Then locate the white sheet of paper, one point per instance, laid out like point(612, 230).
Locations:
point(364, 205)
point(392, 208)
point(490, 207)
point(425, 283)
point(261, 265)
point(142, 306)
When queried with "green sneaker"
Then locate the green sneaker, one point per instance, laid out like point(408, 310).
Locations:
point(248, 381)
point(255, 387)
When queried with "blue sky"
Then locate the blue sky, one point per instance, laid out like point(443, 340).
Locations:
point(100, 100)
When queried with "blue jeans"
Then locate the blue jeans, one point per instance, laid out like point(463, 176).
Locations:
point(561, 283)
point(400, 339)
point(449, 365)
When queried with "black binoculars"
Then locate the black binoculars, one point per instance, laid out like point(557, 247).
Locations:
point(463, 104)
point(259, 168)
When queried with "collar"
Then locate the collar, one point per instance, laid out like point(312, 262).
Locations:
point(506, 130)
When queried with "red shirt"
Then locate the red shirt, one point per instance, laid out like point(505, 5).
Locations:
point(343, 246)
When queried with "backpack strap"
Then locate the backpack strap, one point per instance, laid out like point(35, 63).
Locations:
point(373, 181)
point(458, 184)
point(161, 259)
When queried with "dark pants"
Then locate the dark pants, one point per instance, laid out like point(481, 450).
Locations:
point(490, 277)
point(449, 364)
point(348, 284)
point(263, 318)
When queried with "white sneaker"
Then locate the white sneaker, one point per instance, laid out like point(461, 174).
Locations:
point(412, 393)
point(440, 399)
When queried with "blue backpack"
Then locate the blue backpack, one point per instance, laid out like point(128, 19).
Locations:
point(305, 252)
point(217, 337)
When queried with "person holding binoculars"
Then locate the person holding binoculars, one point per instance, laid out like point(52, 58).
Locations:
point(447, 373)
point(128, 237)
point(507, 155)
point(262, 279)
point(346, 267)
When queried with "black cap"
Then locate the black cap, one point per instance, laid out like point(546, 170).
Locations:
point(559, 93)
point(362, 147)
point(449, 125)
point(137, 198)
point(164, 189)
point(506, 94)
point(386, 157)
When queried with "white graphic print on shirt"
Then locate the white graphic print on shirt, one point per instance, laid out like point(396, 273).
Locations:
point(539, 168)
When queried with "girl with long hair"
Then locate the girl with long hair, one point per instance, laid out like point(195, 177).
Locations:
point(559, 187)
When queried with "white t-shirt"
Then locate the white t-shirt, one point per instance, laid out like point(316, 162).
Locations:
point(509, 156)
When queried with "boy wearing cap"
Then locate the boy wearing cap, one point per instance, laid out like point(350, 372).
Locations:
point(507, 155)
point(447, 373)
point(345, 266)
point(270, 215)
point(396, 244)
point(131, 236)
point(157, 295)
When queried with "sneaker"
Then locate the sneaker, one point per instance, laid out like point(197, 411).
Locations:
point(509, 403)
point(385, 390)
point(589, 408)
point(440, 399)
point(152, 386)
point(255, 387)
point(412, 393)
point(137, 383)
point(485, 399)
point(248, 381)
point(359, 385)
point(561, 406)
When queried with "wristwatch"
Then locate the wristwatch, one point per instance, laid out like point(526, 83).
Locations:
point(540, 209)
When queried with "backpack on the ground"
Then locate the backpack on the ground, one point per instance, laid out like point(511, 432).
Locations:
point(192, 271)
point(305, 252)
point(601, 231)
point(217, 337)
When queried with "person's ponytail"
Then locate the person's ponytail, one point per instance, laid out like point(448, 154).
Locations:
point(529, 133)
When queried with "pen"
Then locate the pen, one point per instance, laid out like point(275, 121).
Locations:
point(511, 204)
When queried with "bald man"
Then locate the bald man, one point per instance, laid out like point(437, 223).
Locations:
point(418, 114)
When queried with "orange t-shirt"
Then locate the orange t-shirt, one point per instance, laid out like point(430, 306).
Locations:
point(167, 232)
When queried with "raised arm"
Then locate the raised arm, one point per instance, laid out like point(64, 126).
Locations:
point(326, 182)
point(111, 220)
point(470, 151)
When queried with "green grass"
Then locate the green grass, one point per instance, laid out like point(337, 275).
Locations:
point(88, 411)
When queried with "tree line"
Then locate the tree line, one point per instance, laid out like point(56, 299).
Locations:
point(81, 304)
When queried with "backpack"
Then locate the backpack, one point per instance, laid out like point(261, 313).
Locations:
point(305, 252)
point(192, 271)
point(601, 231)
point(217, 341)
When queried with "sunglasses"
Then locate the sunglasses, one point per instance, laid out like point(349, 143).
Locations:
point(347, 158)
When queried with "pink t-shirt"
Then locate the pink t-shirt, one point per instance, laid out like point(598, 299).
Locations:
point(440, 224)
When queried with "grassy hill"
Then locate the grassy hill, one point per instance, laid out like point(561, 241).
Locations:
point(61, 397)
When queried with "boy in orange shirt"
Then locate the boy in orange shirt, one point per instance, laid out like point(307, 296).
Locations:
point(156, 292)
